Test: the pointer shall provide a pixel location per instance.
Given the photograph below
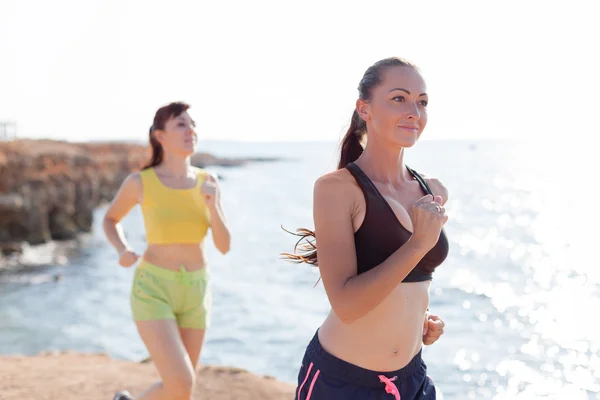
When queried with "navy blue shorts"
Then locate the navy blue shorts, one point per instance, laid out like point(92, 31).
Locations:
point(326, 377)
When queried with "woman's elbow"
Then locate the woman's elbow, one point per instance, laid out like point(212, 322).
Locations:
point(223, 246)
point(223, 249)
point(107, 221)
point(345, 315)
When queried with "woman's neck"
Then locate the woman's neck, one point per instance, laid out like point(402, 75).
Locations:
point(383, 163)
point(174, 166)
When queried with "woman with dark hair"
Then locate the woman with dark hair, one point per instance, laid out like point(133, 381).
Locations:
point(378, 231)
point(170, 297)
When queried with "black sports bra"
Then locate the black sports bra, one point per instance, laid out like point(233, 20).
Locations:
point(381, 233)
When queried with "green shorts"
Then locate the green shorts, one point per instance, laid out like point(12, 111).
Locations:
point(160, 293)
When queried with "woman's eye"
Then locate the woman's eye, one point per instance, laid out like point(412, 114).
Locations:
point(399, 99)
point(424, 103)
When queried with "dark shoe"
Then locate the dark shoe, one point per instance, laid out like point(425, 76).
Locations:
point(123, 395)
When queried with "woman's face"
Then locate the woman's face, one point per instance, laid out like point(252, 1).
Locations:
point(397, 110)
point(179, 135)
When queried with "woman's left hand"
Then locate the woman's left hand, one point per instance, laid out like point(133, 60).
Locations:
point(210, 191)
point(433, 328)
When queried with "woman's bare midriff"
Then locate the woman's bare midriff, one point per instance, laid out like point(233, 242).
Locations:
point(386, 338)
point(173, 256)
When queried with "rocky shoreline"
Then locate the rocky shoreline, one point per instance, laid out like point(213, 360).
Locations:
point(49, 189)
point(57, 376)
point(48, 192)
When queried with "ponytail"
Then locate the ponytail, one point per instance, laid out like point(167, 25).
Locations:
point(157, 150)
point(350, 149)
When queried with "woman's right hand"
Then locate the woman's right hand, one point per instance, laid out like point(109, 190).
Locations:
point(428, 216)
point(127, 258)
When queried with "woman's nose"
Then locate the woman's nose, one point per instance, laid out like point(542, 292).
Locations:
point(413, 112)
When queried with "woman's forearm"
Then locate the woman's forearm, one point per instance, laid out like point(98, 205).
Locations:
point(220, 232)
point(114, 233)
point(364, 292)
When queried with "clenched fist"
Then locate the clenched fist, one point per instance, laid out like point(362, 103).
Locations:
point(210, 191)
point(127, 258)
point(428, 216)
point(433, 328)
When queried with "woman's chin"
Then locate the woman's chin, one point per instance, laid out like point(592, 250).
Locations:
point(188, 150)
point(405, 141)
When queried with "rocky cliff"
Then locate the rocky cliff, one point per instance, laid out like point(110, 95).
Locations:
point(49, 189)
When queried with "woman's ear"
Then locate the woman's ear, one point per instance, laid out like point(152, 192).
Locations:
point(159, 134)
point(363, 109)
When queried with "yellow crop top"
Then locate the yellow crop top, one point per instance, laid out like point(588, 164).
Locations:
point(173, 215)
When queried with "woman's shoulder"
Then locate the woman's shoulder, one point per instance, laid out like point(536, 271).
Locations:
point(204, 174)
point(142, 173)
point(338, 178)
point(144, 177)
point(199, 170)
point(136, 177)
point(338, 186)
point(132, 185)
point(436, 186)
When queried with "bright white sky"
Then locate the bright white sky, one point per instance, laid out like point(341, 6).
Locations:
point(279, 70)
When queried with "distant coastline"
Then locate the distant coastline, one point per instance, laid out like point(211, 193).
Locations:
point(49, 189)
